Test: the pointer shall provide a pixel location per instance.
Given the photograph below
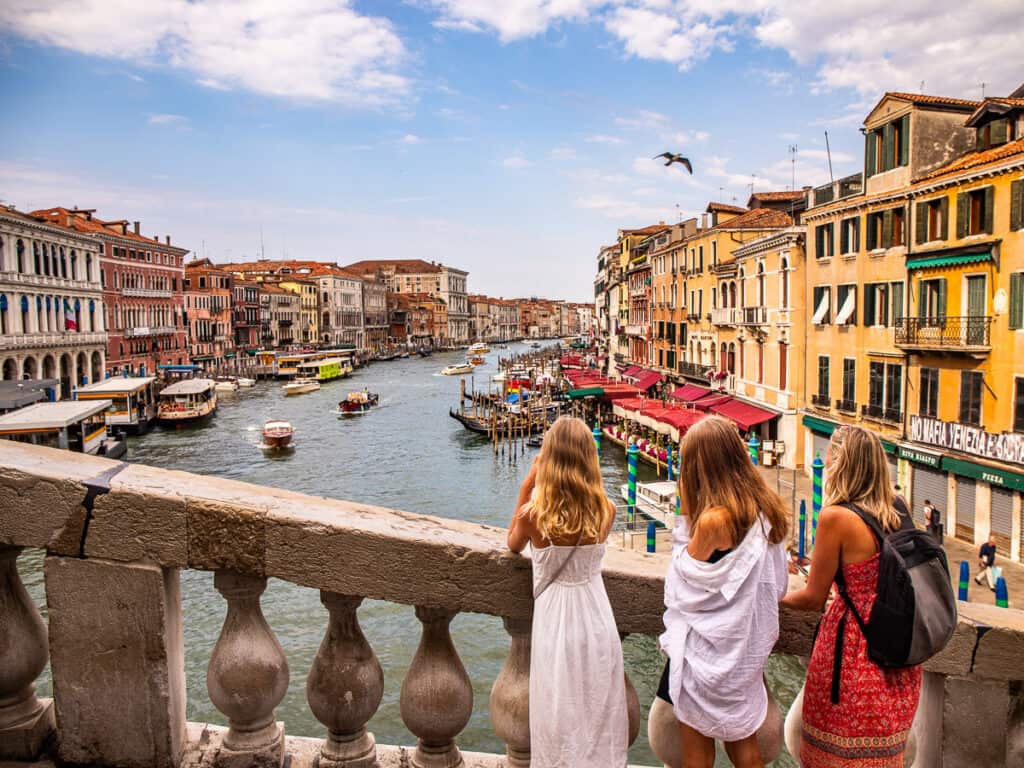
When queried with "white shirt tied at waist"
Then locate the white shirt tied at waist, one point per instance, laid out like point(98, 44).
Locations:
point(721, 623)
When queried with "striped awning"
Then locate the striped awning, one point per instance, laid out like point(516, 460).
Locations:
point(928, 262)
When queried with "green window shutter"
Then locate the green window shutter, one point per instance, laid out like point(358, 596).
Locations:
point(888, 139)
point(998, 132)
point(942, 297)
point(819, 241)
point(831, 239)
point(1017, 204)
point(921, 223)
point(869, 304)
point(887, 229)
point(963, 214)
point(922, 304)
point(944, 215)
point(905, 140)
point(856, 235)
point(869, 154)
point(898, 310)
point(1017, 300)
point(872, 224)
point(990, 197)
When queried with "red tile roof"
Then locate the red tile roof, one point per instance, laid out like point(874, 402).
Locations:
point(925, 100)
point(786, 196)
point(85, 221)
point(400, 266)
point(978, 159)
point(1001, 106)
point(758, 218)
point(714, 207)
point(653, 229)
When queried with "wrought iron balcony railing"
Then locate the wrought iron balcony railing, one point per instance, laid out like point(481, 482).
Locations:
point(848, 406)
point(966, 333)
point(820, 400)
point(882, 413)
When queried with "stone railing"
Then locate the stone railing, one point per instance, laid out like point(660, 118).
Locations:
point(117, 535)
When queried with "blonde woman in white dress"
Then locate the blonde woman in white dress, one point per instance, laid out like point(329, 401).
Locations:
point(577, 689)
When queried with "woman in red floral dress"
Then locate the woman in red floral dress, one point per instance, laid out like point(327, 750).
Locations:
point(862, 716)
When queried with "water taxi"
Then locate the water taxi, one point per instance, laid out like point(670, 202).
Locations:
point(457, 370)
point(70, 424)
point(357, 403)
point(325, 369)
point(476, 360)
point(133, 402)
point(226, 384)
point(301, 386)
point(187, 400)
point(245, 382)
point(480, 348)
point(655, 501)
point(277, 435)
point(288, 363)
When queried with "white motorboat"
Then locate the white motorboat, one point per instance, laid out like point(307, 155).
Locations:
point(277, 435)
point(245, 382)
point(301, 386)
point(655, 501)
point(458, 369)
point(226, 384)
point(480, 348)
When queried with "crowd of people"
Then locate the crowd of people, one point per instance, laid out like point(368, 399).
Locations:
point(727, 577)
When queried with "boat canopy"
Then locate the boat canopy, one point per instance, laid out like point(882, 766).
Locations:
point(44, 416)
point(118, 385)
point(187, 387)
point(180, 368)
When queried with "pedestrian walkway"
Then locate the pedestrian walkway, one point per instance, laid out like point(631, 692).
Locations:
point(956, 550)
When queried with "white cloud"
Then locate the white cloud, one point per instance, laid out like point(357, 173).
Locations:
point(410, 139)
point(166, 119)
point(516, 162)
point(643, 118)
point(602, 138)
point(513, 19)
point(686, 137)
point(563, 153)
point(305, 50)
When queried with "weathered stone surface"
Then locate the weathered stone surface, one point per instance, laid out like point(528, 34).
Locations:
point(975, 719)
point(226, 537)
point(115, 653)
point(1000, 654)
point(956, 657)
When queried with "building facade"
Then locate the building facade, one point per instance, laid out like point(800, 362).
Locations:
point(51, 303)
point(209, 309)
point(246, 324)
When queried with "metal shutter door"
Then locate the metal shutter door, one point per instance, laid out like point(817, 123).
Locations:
point(965, 508)
point(929, 484)
point(1002, 518)
point(820, 445)
point(893, 468)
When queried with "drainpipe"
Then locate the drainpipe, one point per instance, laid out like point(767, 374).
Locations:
point(906, 305)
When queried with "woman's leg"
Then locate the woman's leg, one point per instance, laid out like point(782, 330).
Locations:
point(745, 753)
point(698, 749)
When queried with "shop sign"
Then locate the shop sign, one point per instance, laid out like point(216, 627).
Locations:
point(990, 475)
point(1008, 447)
point(920, 457)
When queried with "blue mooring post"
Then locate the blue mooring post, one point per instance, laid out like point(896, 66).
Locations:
point(754, 446)
point(803, 530)
point(668, 460)
point(965, 578)
point(631, 457)
point(817, 470)
point(597, 437)
point(652, 536)
point(1002, 597)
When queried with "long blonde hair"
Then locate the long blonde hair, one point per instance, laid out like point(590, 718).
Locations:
point(568, 497)
point(716, 471)
point(859, 474)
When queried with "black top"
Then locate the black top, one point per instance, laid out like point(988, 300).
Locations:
point(988, 553)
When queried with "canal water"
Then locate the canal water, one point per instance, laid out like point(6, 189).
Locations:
point(407, 454)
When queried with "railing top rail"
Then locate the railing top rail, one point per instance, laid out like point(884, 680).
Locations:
point(182, 520)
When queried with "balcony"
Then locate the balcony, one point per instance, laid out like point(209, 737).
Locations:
point(881, 413)
point(695, 370)
point(49, 281)
point(724, 316)
point(846, 406)
point(147, 293)
point(44, 340)
point(820, 400)
point(967, 335)
point(156, 330)
point(637, 329)
point(753, 316)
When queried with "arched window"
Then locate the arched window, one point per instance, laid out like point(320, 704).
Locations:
point(63, 263)
point(762, 297)
point(732, 294)
point(4, 324)
point(743, 289)
point(732, 358)
point(35, 259)
point(20, 248)
point(78, 315)
point(25, 328)
point(88, 267)
point(723, 361)
point(784, 276)
point(54, 261)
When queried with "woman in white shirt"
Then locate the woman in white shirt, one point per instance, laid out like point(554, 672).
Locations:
point(722, 590)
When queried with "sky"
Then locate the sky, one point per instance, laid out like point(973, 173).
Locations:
point(511, 138)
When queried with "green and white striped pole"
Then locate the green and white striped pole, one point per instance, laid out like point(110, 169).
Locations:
point(597, 437)
point(817, 470)
point(631, 458)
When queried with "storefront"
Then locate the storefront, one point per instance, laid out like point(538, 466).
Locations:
point(928, 482)
point(820, 433)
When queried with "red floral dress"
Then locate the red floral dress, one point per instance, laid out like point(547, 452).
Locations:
point(868, 728)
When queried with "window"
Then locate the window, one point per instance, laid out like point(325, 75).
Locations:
point(700, 258)
point(893, 392)
point(974, 212)
point(823, 242)
point(1016, 313)
point(876, 304)
point(876, 388)
point(823, 384)
point(932, 220)
point(898, 230)
point(887, 147)
point(1018, 405)
point(784, 277)
point(846, 301)
point(822, 297)
point(994, 133)
point(928, 405)
point(849, 401)
point(714, 253)
point(783, 365)
point(931, 298)
point(874, 231)
point(971, 383)
point(849, 235)
point(1017, 204)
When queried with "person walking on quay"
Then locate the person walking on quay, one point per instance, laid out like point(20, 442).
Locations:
point(727, 574)
point(578, 713)
point(861, 713)
point(986, 562)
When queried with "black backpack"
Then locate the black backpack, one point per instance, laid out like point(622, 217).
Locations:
point(914, 614)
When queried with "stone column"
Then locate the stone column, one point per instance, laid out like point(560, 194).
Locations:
point(437, 698)
point(26, 722)
point(116, 653)
point(345, 686)
point(247, 677)
point(510, 696)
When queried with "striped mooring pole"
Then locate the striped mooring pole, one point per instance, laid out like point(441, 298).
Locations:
point(597, 437)
point(803, 529)
point(754, 447)
point(817, 469)
point(965, 580)
point(668, 460)
point(1002, 597)
point(651, 535)
point(631, 457)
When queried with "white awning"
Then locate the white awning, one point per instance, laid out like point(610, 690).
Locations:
point(846, 311)
point(822, 309)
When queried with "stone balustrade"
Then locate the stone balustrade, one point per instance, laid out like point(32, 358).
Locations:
point(117, 535)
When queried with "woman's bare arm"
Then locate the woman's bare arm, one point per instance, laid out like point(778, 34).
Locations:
point(519, 531)
point(824, 563)
point(712, 532)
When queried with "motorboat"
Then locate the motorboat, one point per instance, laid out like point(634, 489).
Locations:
point(301, 386)
point(479, 349)
point(226, 384)
point(358, 402)
point(186, 401)
point(476, 360)
point(424, 352)
point(458, 369)
point(245, 382)
point(277, 435)
point(535, 345)
point(655, 501)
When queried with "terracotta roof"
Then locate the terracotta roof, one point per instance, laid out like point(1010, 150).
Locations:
point(273, 288)
point(654, 228)
point(85, 221)
point(1001, 106)
point(400, 266)
point(724, 208)
point(977, 159)
point(925, 100)
point(795, 194)
point(759, 218)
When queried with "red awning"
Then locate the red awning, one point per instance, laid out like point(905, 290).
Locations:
point(619, 391)
point(689, 392)
point(647, 379)
point(714, 398)
point(631, 371)
point(742, 414)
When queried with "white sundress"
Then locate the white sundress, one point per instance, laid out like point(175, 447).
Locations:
point(578, 716)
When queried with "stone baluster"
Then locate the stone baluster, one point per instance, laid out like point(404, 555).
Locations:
point(345, 686)
point(26, 722)
point(510, 696)
point(437, 697)
point(247, 676)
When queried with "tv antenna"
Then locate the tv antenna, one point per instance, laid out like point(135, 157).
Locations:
point(828, 151)
point(982, 89)
point(792, 163)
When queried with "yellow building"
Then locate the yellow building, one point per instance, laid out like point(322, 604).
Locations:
point(916, 289)
point(308, 292)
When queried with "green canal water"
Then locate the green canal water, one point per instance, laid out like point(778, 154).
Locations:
point(407, 454)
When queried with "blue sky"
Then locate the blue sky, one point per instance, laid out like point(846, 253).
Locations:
point(511, 139)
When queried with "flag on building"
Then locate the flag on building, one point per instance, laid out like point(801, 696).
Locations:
point(70, 319)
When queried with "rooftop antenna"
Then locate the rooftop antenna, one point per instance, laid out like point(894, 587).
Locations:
point(752, 177)
point(828, 151)
point(679, 212)
point(263, 251)
point(792, 162)
point(982, 90)
point(922, 86)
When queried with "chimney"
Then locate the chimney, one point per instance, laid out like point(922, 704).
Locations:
point(124, 227)
point(703, 221)
point(135, 225)
point(168, 239)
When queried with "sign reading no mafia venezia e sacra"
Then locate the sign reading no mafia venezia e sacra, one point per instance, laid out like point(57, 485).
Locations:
point(953, 436)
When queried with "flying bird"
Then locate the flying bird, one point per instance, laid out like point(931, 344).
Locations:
point(673, 158)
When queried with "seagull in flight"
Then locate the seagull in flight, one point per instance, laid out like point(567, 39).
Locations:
point(673, 158)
